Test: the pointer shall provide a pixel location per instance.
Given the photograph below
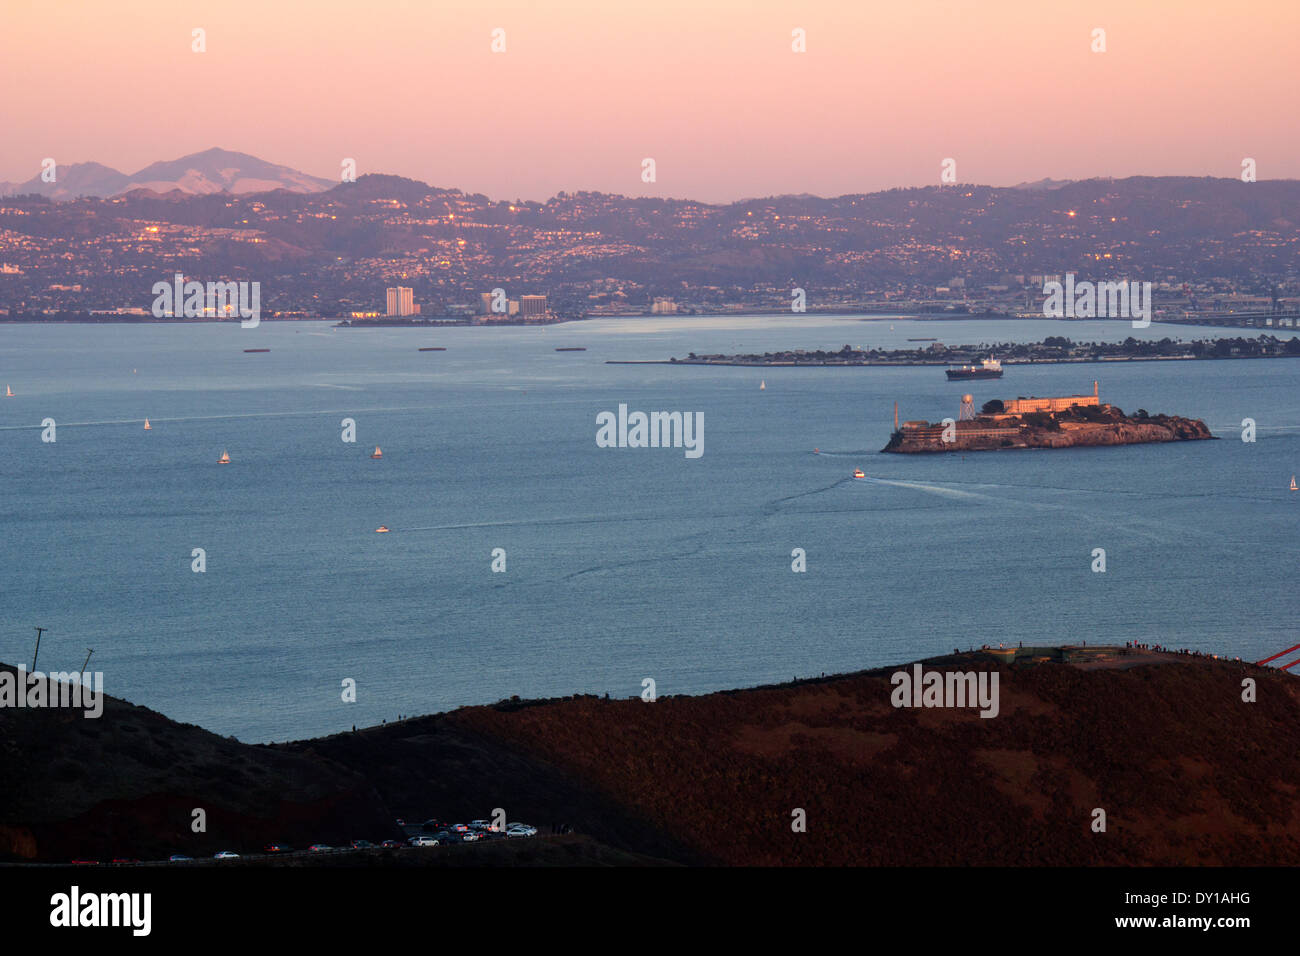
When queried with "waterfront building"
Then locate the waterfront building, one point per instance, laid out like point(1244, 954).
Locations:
point(401, 301)
point(532, 306)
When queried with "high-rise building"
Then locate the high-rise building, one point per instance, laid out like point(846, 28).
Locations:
point(532, 305)
point(485, 303)
point(401, 301)
point(663, 306)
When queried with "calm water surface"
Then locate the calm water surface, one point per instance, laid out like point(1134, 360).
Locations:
point(621, 563)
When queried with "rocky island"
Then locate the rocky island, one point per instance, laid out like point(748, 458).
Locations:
point(1058, 422)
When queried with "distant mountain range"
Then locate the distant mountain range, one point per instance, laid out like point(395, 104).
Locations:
point(211, 171)
point(333, 251)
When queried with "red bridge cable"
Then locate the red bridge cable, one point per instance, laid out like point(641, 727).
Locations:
point(1279, 654)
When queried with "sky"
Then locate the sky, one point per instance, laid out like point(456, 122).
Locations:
point(711, 90)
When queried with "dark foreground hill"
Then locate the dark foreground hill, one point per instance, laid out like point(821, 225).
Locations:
point(1185, 770)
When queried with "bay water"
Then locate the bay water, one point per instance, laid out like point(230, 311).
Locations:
point(621, 564)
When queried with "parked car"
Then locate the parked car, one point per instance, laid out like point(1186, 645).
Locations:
point(320, 848)
point(225, 855)
point(391, 844)
point(425, 840)
point(178, 858)
point(483, 826)
point(277, 848)
point(520, 830)
point(362, 845)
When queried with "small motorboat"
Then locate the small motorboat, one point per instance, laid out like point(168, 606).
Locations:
point(382, 529)
point(857, 473)
point(224, 459)
point(147, 426)
point(378, 453)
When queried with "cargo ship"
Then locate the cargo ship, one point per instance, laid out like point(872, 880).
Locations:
point(988, 368)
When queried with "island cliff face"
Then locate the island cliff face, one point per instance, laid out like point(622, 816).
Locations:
point(1071, 428)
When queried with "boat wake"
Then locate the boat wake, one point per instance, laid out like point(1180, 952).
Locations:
point(672, 553)
point(218, 418)
point(930, 488)
point(774, 506)
point(539, 522)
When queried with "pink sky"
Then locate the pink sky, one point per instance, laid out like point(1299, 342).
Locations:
point(709, 88)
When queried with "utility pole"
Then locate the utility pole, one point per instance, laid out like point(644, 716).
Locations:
point(39, 631)
point(89, 651)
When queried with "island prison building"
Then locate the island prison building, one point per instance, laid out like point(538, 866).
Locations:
point(1022, 406)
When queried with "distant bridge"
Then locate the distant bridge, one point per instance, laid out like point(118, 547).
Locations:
point(1284, 667)
point(1275, 320)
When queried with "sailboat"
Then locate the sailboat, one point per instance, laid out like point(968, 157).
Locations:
point(1293, 485)
point(378, 453)
point(762, 385)
point(147, 426)
point(9, 392)
point(224, 459)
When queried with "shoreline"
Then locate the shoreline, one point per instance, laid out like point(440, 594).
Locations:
point(947, 363)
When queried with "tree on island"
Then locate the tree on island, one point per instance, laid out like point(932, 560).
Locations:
point(993, 406)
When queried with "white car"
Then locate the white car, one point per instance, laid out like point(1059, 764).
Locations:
point(225, 855)
point(520, 830)
point(424, 841)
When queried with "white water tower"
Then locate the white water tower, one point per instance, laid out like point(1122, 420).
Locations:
point(967, 413)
